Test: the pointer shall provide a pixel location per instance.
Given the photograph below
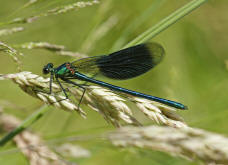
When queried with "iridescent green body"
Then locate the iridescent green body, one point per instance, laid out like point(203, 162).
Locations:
point(62, 71)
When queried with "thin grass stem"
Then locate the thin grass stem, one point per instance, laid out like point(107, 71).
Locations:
point(26, 123)
point(166, 22)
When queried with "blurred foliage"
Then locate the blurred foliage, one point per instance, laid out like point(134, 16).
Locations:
point(193, 71)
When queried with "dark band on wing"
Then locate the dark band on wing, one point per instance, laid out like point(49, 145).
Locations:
point(130, 62)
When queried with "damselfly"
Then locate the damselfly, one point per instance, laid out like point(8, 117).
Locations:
point(124, 64)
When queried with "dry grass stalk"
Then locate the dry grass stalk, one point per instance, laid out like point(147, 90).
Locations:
point(30, 144)
point(40, 45)
point(59, 49)
point(72, 54)
point(190, 143)
point(70, 150)
point(74, 6)
point(110, 105)
point(12, 52)
point(104, 101)
point(4, 32)
point(32, 1)
point(55, 11)
point(34, 84)
point(160, 113)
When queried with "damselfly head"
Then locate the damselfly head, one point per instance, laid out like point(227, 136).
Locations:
point(47, 68)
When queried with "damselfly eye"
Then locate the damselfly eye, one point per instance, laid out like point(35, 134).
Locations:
point(48, 68)
point(45, 70)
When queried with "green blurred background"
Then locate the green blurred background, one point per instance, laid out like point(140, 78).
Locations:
point(194, 71)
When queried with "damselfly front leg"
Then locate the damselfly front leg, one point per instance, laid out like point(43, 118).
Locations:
point(80, 86)
point(63, 89)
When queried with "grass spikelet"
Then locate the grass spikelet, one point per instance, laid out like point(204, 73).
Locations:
point(30, 144)
point(70, 150)
point(190, 143)
point(4, 32)
point(40, 45)
point(55, 11)
point(74, 6)
point(34, 84)
point(72, 54)
point(160, 113)
point(31, 2)
point(58, 49)
point(12, 53)
point(110, 105)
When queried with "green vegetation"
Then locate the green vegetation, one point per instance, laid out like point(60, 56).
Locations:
point(194, 71)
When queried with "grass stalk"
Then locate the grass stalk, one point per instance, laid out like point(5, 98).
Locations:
point(26, 123)
point(136, 23)
point(166, 22)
